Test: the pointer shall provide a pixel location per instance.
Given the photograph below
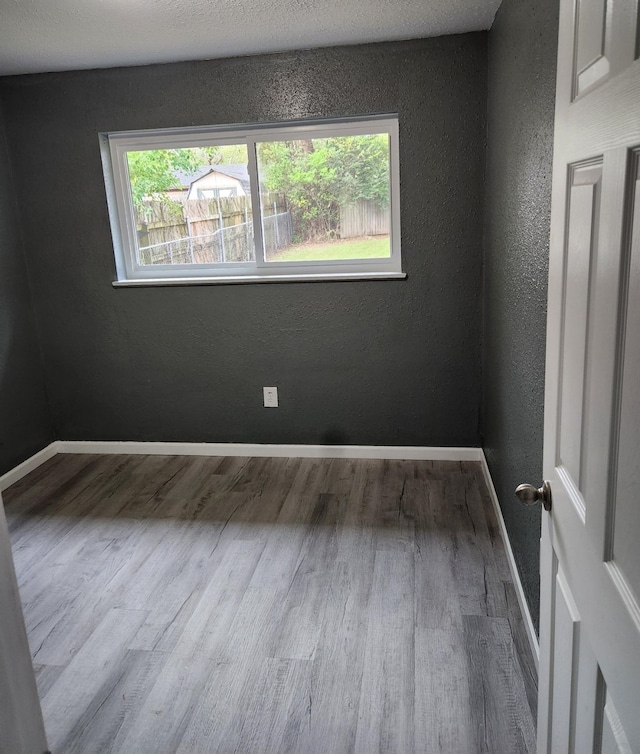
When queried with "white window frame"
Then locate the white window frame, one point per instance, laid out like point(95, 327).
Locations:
point(115, 145)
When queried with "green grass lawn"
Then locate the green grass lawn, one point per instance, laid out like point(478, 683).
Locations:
point(354, 248)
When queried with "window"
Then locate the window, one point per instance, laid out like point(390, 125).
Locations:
point(239, 204)
point(215, 193)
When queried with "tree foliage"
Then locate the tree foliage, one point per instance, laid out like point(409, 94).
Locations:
point(318, 176)
point(152, 172)
point(227, 154)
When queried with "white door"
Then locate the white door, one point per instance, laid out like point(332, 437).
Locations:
point(21, 728)
point(590, 561)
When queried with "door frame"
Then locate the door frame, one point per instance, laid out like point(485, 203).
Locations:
point(21, 719)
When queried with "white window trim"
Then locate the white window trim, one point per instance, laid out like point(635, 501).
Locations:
point(114, 147)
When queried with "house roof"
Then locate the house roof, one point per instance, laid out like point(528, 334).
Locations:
point(237, 171)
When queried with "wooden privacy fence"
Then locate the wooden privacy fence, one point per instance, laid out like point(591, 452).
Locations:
point(363, 218)
point(213, 231)
point(206, 231)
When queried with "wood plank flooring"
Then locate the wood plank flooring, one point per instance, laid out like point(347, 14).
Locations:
point(252, 605)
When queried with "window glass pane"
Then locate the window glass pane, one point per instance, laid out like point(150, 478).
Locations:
point(325, 198)
point(192, 205)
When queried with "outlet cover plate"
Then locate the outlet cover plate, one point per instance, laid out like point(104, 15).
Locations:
point(270, 395)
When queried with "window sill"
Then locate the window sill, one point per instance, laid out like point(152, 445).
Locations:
point(229, 279)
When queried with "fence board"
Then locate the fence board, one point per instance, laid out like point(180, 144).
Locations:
point(206, 231)
point(363, 218)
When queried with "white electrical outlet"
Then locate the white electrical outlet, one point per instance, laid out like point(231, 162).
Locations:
point(270, 397)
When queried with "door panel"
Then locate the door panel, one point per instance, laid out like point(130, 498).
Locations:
point(624, 508)
point(604, 41)
point(589, 705)
point(576, 679)
point(614, 739)
point(590, 556)
point(566, 640)
point(583, 209)
point(592, 63)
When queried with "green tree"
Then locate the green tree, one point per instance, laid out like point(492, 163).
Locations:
point(226, 154)
point(319, 176)
point(152, 172)
point(361, 166)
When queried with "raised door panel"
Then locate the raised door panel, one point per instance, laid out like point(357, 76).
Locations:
point(565, 643)
point(605, 41)
point(577, 701)
point(581, 253)
point(624, 508)
point(614, 739)
point(592, 63)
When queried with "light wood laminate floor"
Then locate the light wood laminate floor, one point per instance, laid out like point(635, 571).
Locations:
point(258, 605)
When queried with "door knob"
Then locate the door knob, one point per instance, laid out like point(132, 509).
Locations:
point(532, 496)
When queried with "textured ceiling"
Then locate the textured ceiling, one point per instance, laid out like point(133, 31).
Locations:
point(52, 35)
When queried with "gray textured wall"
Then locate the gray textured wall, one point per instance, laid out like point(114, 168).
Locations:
point(521, 84)
point(396, 362)
point(25, 425)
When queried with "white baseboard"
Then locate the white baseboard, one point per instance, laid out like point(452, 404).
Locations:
point(26, 467)
point(391, 452)
point(522, 600)
point(408, 453)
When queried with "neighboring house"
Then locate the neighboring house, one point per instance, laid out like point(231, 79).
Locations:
point(212, 182)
